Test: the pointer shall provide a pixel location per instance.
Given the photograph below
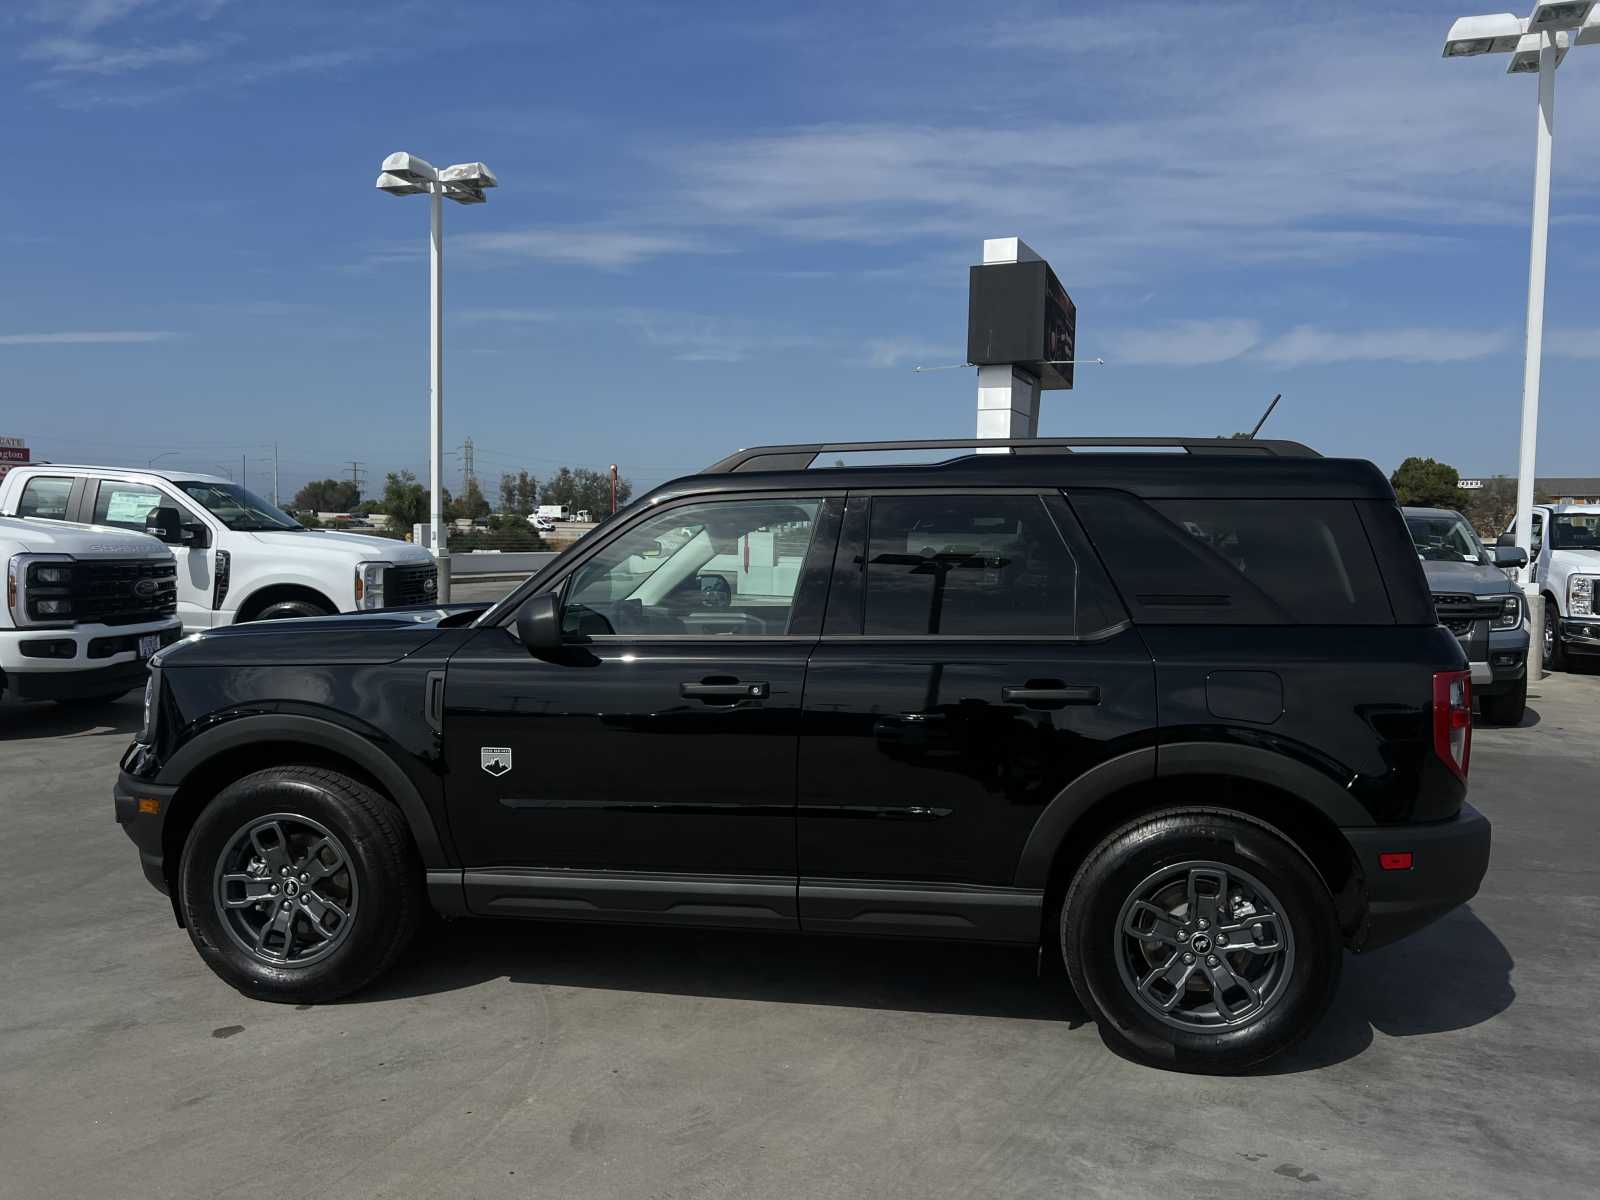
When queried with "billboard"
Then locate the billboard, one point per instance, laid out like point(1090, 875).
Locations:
point(1019, 313)
point(13, 452)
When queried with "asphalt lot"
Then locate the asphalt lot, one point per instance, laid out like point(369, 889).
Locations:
point(541, 1060)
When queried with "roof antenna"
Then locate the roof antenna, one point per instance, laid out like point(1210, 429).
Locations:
point(1265, 415)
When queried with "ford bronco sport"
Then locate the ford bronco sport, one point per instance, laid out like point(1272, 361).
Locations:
point(1183, 719)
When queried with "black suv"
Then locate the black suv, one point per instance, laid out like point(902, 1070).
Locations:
point(1184, 720)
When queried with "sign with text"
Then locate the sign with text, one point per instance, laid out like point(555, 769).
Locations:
point(1019, 313)
point(13, 452)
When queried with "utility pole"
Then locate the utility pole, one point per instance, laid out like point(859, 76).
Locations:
point(356, 472)
point(274, 474)
point(613, 488)
point(467, 475)
point(244, 479)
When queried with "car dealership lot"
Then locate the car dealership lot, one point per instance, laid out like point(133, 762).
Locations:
point(524, 1059)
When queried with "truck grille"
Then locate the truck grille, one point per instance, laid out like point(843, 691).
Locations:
point(1463, 608)
point(124, 591)
point(412, 583)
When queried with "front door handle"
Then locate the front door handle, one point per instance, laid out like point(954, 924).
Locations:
point(1050, 693)
point(729, 690)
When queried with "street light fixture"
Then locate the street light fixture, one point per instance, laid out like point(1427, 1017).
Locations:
point(404, 174)
point(1536, 44)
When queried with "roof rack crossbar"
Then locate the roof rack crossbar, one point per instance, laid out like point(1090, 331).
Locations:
point(800, 456)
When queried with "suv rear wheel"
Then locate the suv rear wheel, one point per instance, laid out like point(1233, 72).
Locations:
point(1201, 941)
point(299, 885)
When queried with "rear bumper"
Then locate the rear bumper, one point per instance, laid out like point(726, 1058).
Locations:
point(1448, 859)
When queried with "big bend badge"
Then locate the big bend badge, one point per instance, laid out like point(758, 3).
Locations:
point(495, 759)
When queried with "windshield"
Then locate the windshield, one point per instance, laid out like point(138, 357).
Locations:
point(1575, 531)
point(1446, 539)
point(238, 509)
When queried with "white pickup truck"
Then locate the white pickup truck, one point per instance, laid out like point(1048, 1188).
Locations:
point(239, 557)
point(1566, 566)
point(85, 609)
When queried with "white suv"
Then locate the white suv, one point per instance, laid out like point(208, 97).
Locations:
point(85, 609)
point(1566, 565)
point(239, 557)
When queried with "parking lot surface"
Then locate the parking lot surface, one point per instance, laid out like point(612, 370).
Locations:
point(574, 1061)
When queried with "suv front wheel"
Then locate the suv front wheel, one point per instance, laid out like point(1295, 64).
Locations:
point(299, 885)
point(1201, 940)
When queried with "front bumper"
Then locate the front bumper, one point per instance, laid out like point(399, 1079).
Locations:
point(1581, 634)
point(141, 810)
point(1448, 861)
point(104, 659)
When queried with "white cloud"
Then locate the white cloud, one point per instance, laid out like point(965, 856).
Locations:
point(1308, 345)
point(1573, 343)
point(909, 351)
point(1183, 343)
point(82, 56)
point(88, 337)
point(514, 315)
point(606, 248)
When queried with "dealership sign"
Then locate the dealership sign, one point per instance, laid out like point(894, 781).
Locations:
point(13, 451)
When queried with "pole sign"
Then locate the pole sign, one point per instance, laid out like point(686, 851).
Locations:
point(13, 452)
point(1019, 313)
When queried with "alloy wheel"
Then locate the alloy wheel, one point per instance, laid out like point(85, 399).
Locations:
point(285, 889)
point(1204, 947)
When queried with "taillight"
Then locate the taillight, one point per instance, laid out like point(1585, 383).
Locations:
point(1452, 719)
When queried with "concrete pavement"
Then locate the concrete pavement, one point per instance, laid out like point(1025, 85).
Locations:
point(541, 1060)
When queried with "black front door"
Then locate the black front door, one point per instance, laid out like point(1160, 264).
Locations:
point(974, 662)
point(662, 738)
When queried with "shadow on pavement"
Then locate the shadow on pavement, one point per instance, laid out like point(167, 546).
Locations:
point(909, 976)
point(1451, 975)
point(46, 719)
point(1395, 990)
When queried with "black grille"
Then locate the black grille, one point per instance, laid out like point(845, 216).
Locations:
point(1463, 607)
point(413, 583)
point(123, 591)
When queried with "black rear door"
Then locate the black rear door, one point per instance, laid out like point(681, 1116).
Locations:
point(973, 663)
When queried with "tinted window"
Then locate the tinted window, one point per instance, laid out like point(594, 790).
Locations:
point(127, 505)
point(1255, 562)
point(1445, 539)
point(723, 567)
point(1575, 531)
point(44, 496)
point(978, 566)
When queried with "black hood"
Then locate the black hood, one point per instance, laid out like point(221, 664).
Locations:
point(366, 637)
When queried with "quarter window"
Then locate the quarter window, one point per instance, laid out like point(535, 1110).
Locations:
point(126, 505)
point(975, 566)
point(45, 496)
point(727, 567)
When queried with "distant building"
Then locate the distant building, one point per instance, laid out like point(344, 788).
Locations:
point(1569, 489)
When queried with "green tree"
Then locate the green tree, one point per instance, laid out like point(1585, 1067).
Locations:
point(473, 506)
point(1427, 484)
point(327, 495)
point(404, 500)
point(519, 493)
point(584, 489)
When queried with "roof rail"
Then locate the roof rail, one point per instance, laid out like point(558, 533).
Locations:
point(799, 457)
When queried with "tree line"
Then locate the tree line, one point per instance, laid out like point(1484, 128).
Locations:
point(405, 499)
point(1425, 483)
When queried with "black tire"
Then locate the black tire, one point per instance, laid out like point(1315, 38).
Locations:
point(385, 905)
point(94, 701)
point(1096, 952)
point(1508, 707)
point(285, 609)
point(1555, 654)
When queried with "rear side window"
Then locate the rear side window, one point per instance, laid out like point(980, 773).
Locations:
point(45, 496)
point(977, 566)
point(1237, 562)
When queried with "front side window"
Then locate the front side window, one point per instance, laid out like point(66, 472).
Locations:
point(238, 509)
point(1575, 531)
point(126, 505)
point(45, 496)
point(726, 567)
point(974, 566)
point(1445, 539)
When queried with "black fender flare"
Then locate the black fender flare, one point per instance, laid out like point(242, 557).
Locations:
point(1188, 758)
point(325, 735)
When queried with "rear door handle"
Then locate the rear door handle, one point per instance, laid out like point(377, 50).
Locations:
point(733, 690)
point(1049, 693)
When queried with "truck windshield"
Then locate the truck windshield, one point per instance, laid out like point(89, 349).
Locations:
point(1445, 539)
point(238, 509)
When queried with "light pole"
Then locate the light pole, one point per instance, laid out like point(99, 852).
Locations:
point(150, 462)
point(407, 175)
point(1537, 44)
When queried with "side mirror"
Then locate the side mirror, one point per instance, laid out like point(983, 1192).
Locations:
point(196, 535)
point(165, 525)
point(539, 623)
point(1509, 556)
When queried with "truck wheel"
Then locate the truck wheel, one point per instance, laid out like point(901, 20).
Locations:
point(300, 885)
point(284, 609)
point(1506, 709)
point(1555, 654)
point(1201, 941)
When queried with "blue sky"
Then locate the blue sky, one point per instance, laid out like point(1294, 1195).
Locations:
point(721, 225)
